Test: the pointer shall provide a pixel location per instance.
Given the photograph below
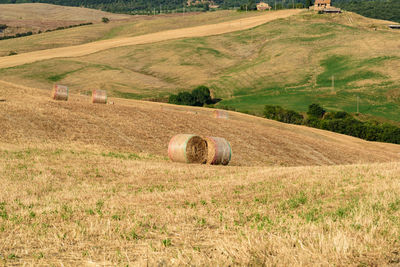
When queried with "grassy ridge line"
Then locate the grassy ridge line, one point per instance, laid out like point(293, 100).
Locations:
point(143, 210)
point(93, 47)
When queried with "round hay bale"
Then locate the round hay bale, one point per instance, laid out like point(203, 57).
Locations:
point(99, 96)
point(60, 92)
point(219, 151)
point(221, 114)
point(187, 148)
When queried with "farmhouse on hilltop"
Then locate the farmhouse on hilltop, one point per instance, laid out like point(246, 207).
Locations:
point(325, 6)
point(263, 6)
point(322, 4)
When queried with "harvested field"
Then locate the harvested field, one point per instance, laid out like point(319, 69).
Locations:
point(92, 185)
point(106, 193)
point(41, 17)
point(144, 127)
point(85, 49)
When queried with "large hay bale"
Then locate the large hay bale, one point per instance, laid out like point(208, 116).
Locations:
point(221, 114)
point(187, 148)
point(60, 92)
point(99, 96)
point(219, 151)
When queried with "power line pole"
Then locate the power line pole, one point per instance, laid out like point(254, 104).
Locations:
point(358, 105)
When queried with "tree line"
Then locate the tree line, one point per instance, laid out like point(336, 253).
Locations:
point(378, 9)
point(23, 34)
point(339, 122)
point(381, 9)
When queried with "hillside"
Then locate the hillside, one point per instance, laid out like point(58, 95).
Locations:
point(379, 9)
point(119, 25)
point(29, 116)
point(86, 184)
point(36, 17)
point(288, 62)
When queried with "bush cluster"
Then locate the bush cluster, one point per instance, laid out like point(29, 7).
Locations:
point(283, 115)
point(339, 122)
point(198, 97)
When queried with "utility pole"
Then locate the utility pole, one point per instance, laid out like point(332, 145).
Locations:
point(275, 4)
point(154, 11)
point(293, 3)
point(246, 8)
point(160, 8)
point(358, 105)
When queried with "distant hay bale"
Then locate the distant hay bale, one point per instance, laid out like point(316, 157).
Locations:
point(221, 114)
point(60, 92)
point(187, 148)
point(219, 151)
point(99, 96)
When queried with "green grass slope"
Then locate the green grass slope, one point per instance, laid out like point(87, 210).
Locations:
point(288, 62)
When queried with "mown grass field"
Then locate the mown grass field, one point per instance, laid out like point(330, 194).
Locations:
point(288, 62)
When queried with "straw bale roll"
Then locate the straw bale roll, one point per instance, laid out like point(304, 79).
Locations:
point(219, 151)
point(99, 96)
point(187, 148)
point(221, 114)
point(60, 92)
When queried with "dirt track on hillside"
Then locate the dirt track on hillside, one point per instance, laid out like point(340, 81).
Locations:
point(199, 31)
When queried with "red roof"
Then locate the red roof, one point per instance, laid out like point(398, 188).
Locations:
point(322, 2)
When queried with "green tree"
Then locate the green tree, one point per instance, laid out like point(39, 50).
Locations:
point(316, 111)
point(308, 3)
point(201, 95)
point(105, 20)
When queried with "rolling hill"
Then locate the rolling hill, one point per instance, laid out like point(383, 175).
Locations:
point(289, 62)
point(37, 17)
point(91, 184)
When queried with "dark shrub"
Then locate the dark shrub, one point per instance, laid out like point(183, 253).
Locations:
point(316, 111)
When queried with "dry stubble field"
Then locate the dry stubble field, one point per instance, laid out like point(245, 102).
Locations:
point(87, 184)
